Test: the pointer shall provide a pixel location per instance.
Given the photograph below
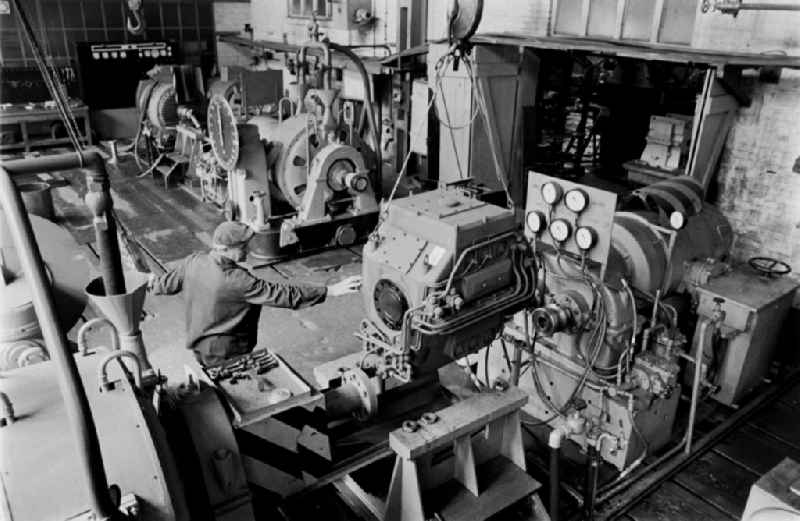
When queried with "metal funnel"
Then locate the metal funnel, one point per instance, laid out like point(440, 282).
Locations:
point(124, 311)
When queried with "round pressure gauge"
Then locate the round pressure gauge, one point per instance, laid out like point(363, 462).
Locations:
point(536, 221)
point(576, 200)
point(585, 238)
point(677, 220)
point(560, 230)
point(551, 193)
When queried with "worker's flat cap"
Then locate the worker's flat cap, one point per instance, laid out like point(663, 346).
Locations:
point(232, 234)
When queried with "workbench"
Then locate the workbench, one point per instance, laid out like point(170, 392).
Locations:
point(20, 115)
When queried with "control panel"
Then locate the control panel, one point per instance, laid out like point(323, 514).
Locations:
point(571, 218)
point(110, 71)
point(121, 51)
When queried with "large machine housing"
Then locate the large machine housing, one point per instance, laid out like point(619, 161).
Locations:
point(611, 342)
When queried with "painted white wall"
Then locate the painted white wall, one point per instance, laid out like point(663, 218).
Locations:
point(271, 21)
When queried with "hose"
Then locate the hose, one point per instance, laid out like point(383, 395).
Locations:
point(369, 107)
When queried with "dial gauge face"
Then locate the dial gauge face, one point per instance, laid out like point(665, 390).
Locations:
point(677, 220)
point(560, 230)
point(585, 238)
point(223, 133)
point(576, 200)
point(551, 193)
point(535, 221)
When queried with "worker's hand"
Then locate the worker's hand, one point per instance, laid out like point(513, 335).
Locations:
point(345, 286)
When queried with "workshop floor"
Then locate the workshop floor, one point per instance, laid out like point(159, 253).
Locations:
point(171, 223)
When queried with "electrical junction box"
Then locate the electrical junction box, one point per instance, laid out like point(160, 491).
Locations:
point(755, 308)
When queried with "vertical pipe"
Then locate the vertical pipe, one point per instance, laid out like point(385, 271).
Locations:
point(702, 337)
point(98, 199)
point(589, 491)
point(79, 414)
point(554, 478)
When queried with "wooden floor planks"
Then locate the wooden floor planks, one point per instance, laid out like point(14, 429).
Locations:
point(716, 485)
point(719, 482)
point(672, 502)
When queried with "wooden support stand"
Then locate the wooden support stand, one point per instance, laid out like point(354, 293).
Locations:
point(468, 464)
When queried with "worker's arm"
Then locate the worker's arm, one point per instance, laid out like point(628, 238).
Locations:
point(280, 295)
point(277, 294)
point(170, 282)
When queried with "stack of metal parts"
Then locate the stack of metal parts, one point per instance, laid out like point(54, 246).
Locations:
point(260, 362)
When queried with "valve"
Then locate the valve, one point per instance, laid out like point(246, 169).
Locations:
point(551, 319)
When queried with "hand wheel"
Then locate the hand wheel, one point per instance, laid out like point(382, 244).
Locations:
point(768, 266)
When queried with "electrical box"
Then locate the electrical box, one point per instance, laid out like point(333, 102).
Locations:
point(755, 308)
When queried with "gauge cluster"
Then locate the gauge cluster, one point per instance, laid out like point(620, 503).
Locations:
point(570, 217)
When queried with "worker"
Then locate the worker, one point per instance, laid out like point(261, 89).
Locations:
point(223, 299)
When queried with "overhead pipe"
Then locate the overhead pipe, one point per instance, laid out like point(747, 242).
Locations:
point(733, 6)
point(76, 404)
point(98, 199)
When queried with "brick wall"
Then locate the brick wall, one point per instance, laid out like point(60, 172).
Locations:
point(758, 190)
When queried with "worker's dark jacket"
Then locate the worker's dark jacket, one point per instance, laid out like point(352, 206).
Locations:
point(223, 303)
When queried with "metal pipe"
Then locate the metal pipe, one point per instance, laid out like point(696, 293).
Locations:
point(98, 321)
point(79, 415)
point(703, 334)
point(590, 487)
point(554, 471)
point(102, 369)
point(733, 7)
point(98, 199)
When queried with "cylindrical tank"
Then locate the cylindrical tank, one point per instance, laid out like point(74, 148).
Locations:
point(640, 248)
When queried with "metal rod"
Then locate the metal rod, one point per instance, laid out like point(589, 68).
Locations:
point(698, 366)
point(79, 415)
point(735, 7)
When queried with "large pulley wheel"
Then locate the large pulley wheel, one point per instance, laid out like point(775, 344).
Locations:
point(222, 132)
point(299, 145)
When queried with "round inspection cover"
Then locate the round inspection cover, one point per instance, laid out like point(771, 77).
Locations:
point(223, 133)
point(390, 304)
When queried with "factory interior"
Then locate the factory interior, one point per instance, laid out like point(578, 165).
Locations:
point(399, 260)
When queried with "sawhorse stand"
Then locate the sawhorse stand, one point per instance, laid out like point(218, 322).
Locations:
point(466, 462)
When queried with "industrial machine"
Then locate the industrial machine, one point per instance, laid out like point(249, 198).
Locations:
point(635, 304)
point(301, 182)
point(171, 106)
point(174, 440)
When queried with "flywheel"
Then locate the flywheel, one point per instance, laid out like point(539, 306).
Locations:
point(297, 143)
point(223, 133)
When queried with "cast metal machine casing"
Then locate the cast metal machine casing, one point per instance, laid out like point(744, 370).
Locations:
point(439, 278)
point(754, 309)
